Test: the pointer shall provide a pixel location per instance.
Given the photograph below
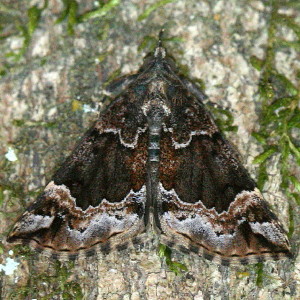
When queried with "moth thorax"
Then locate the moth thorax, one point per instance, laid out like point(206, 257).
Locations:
point(155, 108)
point(158, 86)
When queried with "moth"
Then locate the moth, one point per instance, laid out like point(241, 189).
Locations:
point(155, 157)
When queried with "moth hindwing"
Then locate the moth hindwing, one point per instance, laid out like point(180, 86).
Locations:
point(154, 150)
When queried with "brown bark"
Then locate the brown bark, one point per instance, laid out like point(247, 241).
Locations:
point(40, 119)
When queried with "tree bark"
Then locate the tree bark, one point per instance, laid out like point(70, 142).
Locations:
point(51, 95)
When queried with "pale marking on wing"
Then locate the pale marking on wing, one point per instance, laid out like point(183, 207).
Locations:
point(103, 218)
point(155, 103)
point(191, 134)
point(33, 222)
point(118, 131)
point(194, 219)
point(52, 189)
point(271, 232)
point(198, 206)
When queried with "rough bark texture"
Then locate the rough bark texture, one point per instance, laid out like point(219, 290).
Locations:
point(43, 108)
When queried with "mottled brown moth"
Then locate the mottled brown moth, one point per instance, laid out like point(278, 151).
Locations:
point(155, 150)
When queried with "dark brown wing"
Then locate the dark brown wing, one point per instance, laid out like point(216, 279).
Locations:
point(98, 195)
point(209, 204)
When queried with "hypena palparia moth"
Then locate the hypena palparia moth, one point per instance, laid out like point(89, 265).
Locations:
point(154, 150)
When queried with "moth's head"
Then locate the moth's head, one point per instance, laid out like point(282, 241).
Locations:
point(159, 58)
point(160, 52)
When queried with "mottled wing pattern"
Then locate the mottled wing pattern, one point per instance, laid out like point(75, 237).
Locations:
point(208, 202)
point(96, 200)
point(156, 149)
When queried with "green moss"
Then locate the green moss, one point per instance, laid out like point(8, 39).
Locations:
point(113, 76)
point(23, 252)
point(256, 63)
point(153, 7)
point(27, 123)
point(71, 15)
point(148, 42)
point(60, 280)
point(15, 190)
point(25, 27)
point(265, 155)
point(280, 115)
point(26, 30)
point(259, 274)
point(166, 253)
point(102, 11)
point(223, 119)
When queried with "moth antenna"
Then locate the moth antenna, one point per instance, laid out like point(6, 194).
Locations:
point(160, 37)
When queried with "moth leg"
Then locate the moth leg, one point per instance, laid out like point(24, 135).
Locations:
point(119, 85)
